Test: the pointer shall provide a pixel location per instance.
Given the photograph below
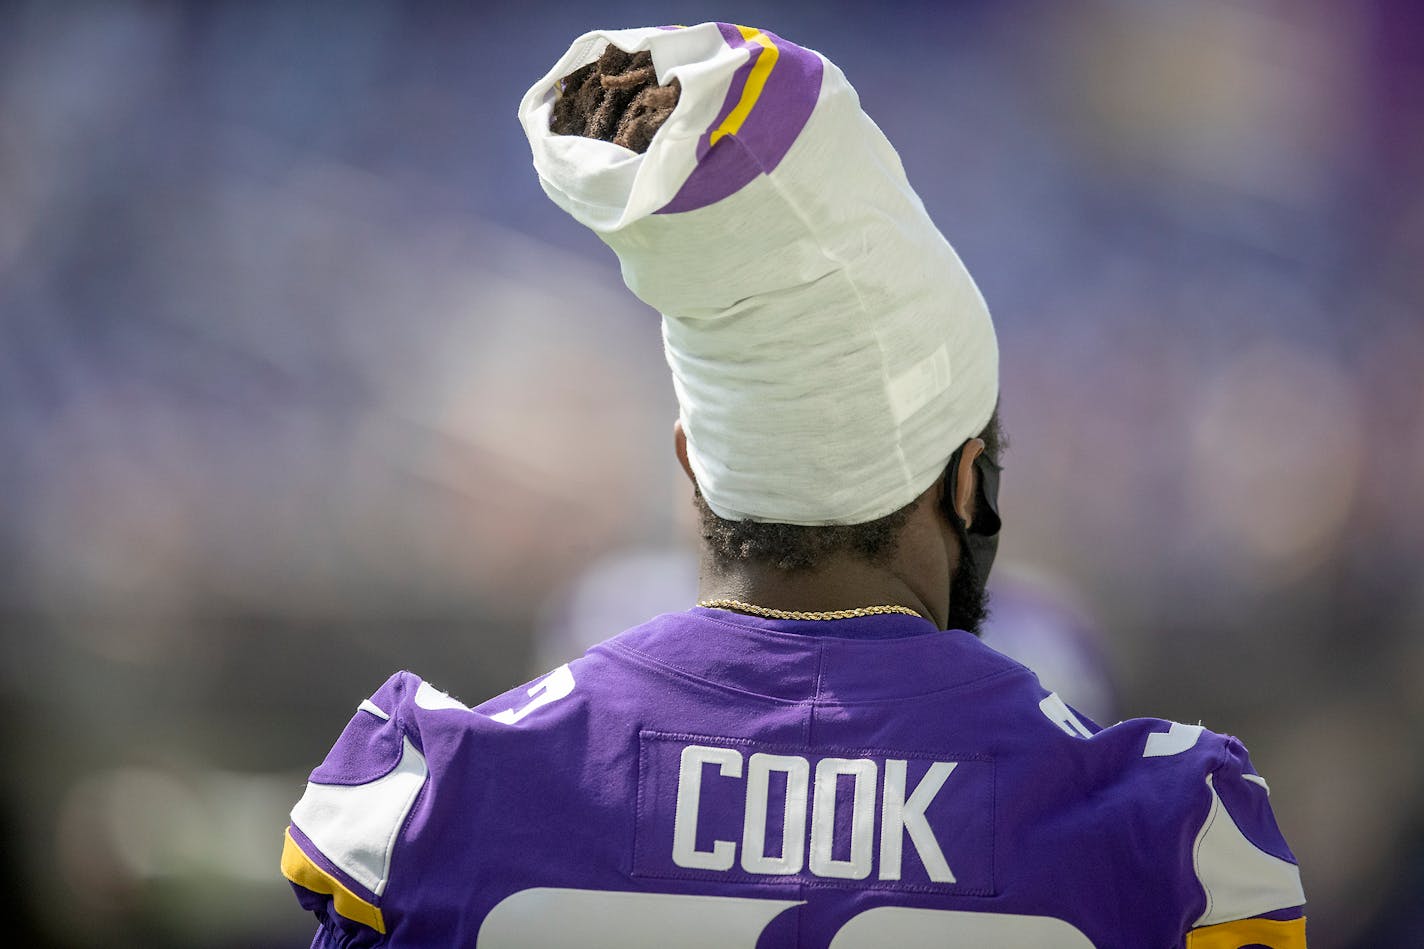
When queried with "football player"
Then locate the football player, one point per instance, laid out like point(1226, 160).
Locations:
point(820, 753)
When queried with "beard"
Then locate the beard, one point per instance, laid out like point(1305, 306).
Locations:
point(968, 598)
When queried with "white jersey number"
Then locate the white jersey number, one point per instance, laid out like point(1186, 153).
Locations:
point(558, 684)
point(547, 918)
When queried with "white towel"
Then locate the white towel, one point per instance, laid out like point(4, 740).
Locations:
point(829, 351)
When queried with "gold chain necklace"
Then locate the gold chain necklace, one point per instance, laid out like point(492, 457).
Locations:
point(770, 613)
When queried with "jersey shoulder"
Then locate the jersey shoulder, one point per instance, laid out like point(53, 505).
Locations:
point(342, 849)
point(1239, 856)
point(1237, 866)
point(338, 847)
point(405, 755)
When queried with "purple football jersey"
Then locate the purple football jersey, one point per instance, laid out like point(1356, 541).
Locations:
point(711, 779)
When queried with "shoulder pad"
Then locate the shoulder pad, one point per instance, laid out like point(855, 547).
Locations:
point(1234, 863)
point(1241, 859)
point(346, 825)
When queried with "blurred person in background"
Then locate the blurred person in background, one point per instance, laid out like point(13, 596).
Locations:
point(821, 750)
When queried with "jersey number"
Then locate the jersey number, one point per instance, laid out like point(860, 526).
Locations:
point(547, 918)
point(558, 684)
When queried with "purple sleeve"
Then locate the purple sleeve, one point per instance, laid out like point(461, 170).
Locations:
point(1242, 864)
point(1246, 797)
point(334, 932)
point(339, 846)
point(335, 937)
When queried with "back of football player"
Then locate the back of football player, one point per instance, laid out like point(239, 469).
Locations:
point(821, 753)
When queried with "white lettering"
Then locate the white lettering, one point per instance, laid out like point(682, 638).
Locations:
point(898, 817)
point(823, 818)
point(689, 799)
point(547, 918)
point(793, 818)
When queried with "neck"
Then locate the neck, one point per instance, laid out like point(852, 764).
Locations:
point(840, 584)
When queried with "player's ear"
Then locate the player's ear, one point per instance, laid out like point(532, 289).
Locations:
point(966, 481)
point(679, 446)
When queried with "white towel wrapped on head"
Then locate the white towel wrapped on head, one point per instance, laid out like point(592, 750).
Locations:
point(829, 351)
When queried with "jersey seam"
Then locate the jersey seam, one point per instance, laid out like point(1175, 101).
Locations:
point(816, 696)
point(892, 699)
point(642, 657)
point(781, 746)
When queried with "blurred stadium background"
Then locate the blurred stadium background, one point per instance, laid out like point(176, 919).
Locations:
point(303, 380)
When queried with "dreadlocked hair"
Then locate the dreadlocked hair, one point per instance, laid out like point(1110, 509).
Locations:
point(795, 547)
point(615, 99)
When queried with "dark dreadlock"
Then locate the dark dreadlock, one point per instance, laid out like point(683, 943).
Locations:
point(793, 547)
point(616, 99)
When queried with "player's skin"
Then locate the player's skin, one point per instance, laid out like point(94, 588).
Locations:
point(917, 576)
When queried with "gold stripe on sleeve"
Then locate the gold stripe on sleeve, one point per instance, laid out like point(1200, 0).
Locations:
point(299, 868)
point(1275, 933)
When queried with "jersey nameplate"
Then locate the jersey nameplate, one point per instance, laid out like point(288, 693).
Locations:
point(727, 810)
